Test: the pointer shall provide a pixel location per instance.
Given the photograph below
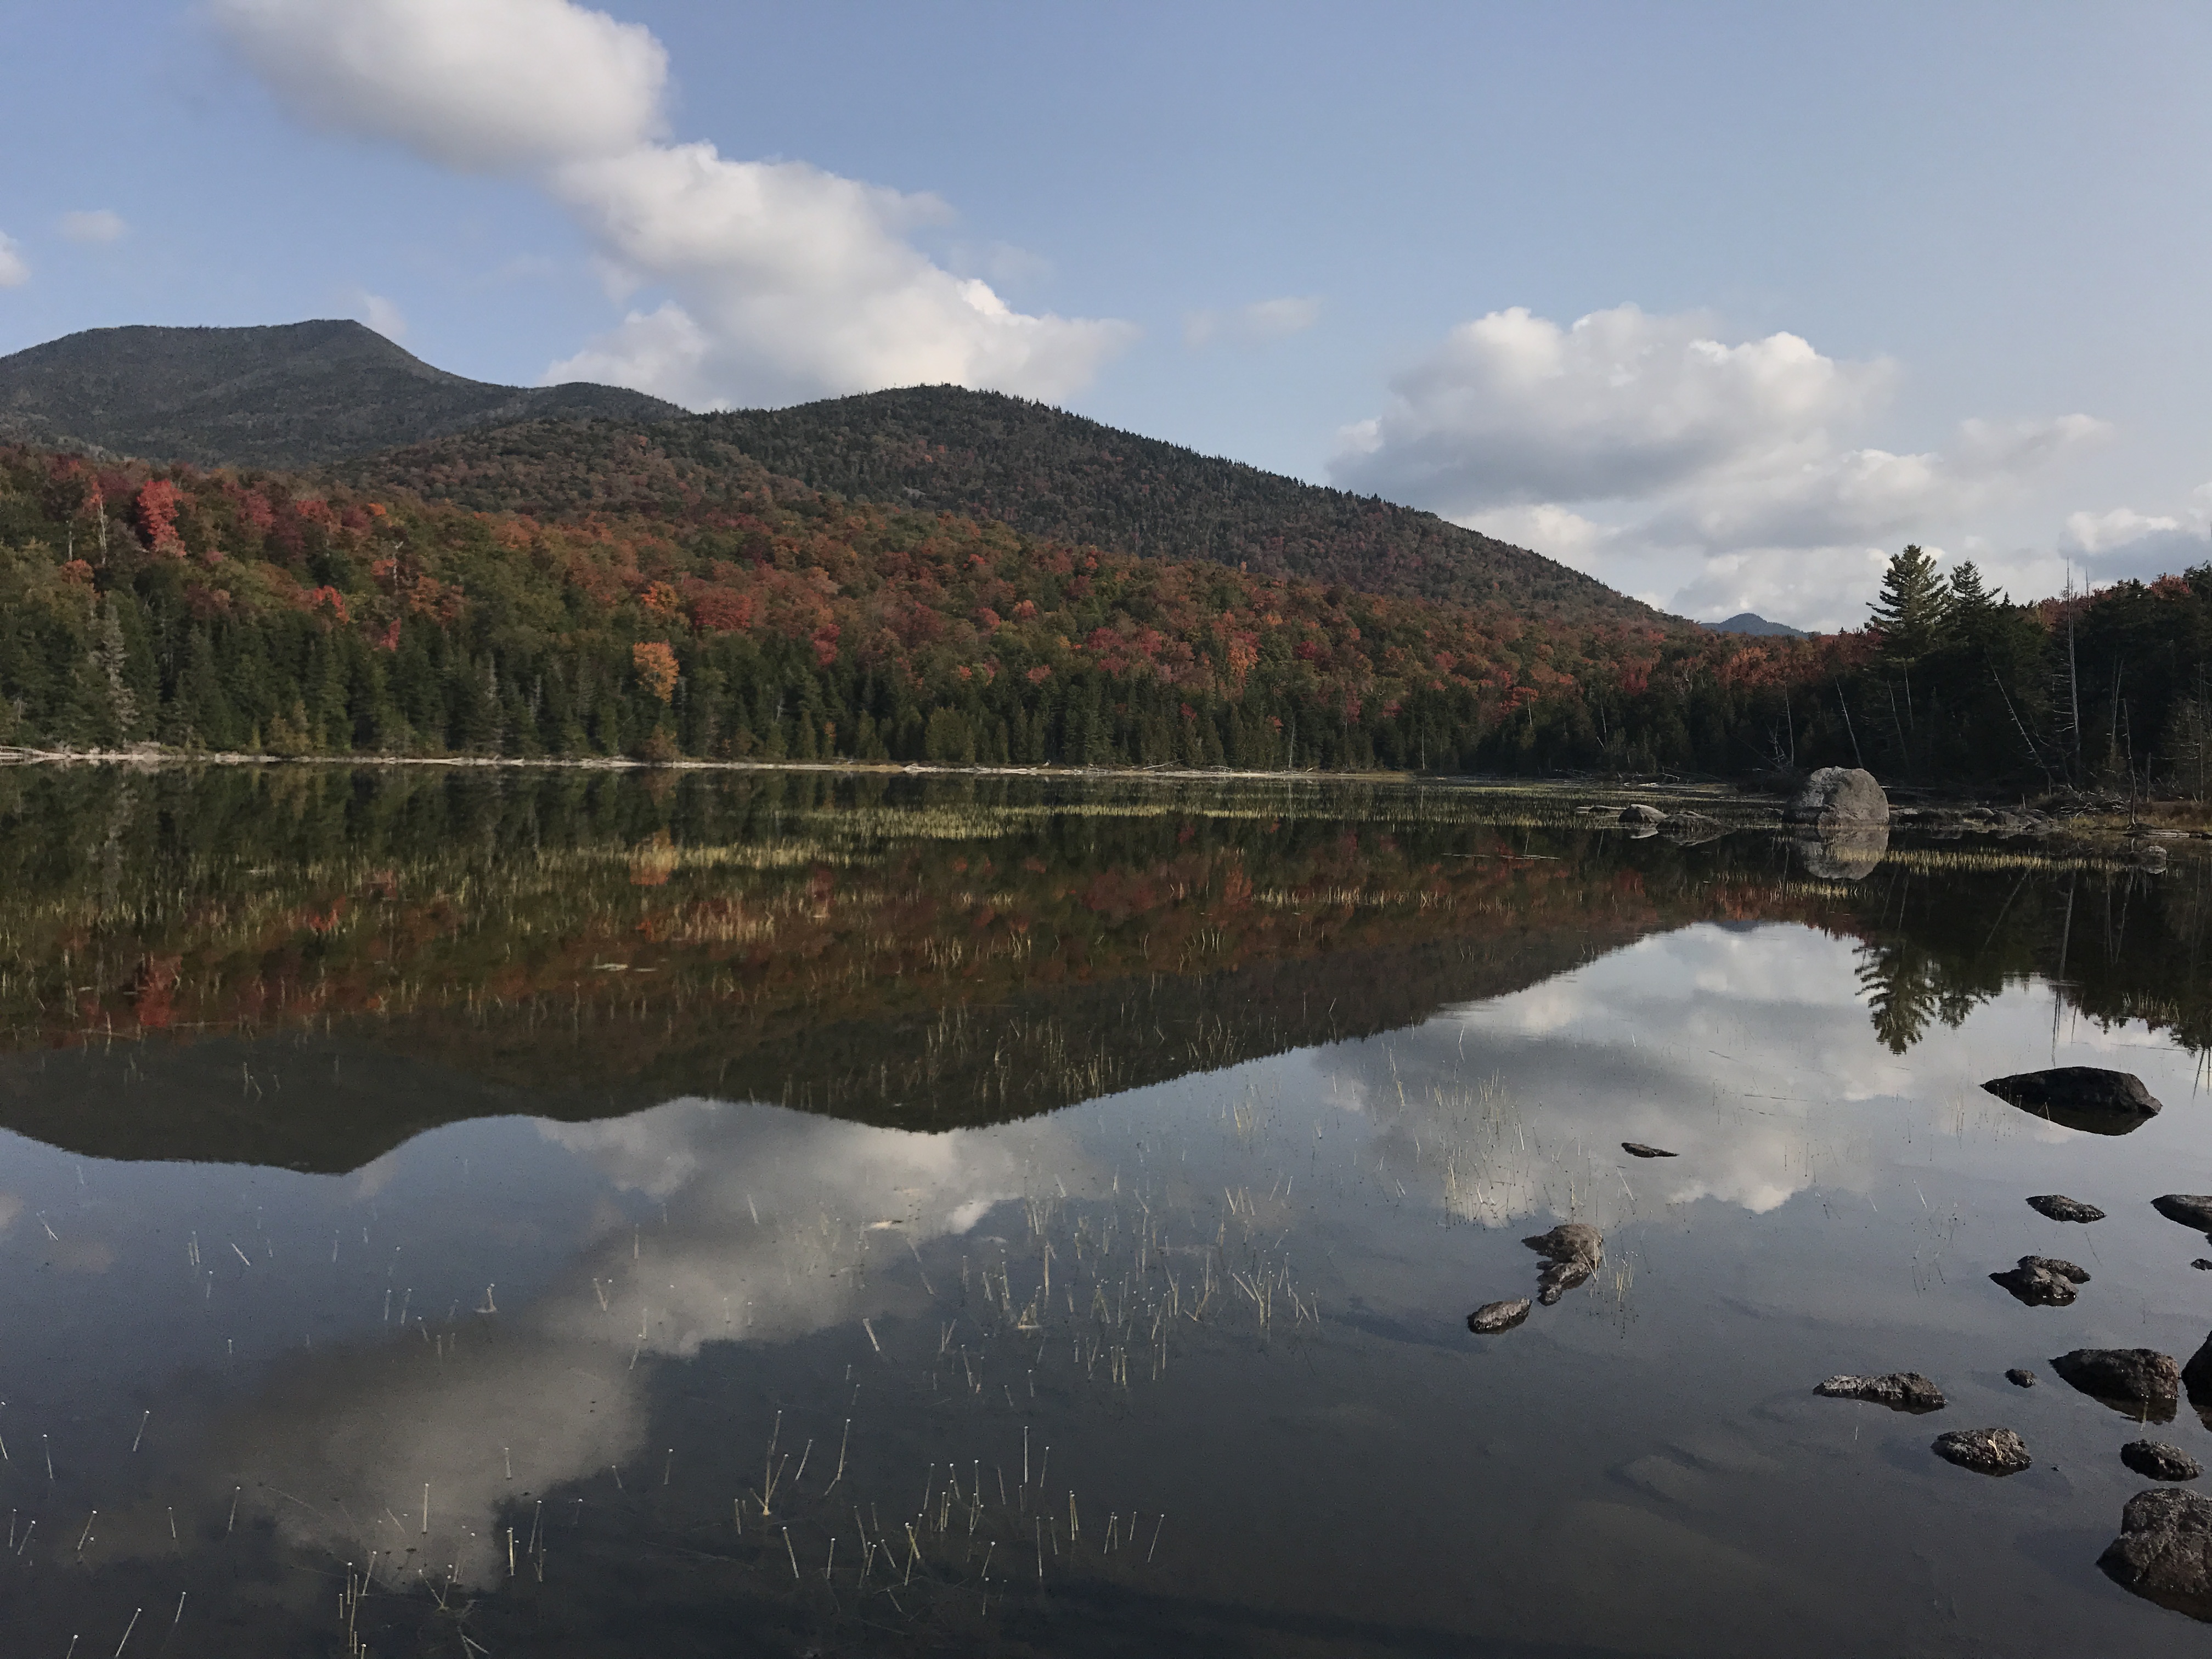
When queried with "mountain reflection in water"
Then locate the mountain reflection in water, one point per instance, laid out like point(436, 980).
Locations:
point(600, 1214)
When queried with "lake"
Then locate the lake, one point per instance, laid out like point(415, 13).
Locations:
point(569, 1212)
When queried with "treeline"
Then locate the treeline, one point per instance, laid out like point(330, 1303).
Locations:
point(766, 620)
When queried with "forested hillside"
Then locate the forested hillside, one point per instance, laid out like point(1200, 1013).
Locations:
point(286, 396)
point(247, 611)
point(984, 455)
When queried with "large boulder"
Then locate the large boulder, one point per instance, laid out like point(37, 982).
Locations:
point(2138, 1382)
point(1836, 796)
point(2080, 1097)
point(2163, 1551)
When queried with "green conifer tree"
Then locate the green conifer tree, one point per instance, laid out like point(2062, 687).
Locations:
point(1914, 614)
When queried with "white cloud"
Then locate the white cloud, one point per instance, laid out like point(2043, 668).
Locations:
point(381, 314)
point(2094, 532)
point(484, 85)
point(1628, 436)
point(776, 281)
point(1261, 323)
point(15, 271)
point(94, 226)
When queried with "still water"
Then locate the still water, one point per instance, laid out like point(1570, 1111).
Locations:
point(502, 1214)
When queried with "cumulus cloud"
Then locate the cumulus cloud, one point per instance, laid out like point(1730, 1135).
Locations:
point(1730, 467)
point(777, 281)
point(1261, 323)
point(15, 271)
point(92, 227)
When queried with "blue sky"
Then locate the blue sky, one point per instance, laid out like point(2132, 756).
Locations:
point(1722, 303)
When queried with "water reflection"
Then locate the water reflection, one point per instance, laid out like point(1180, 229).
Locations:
point(1180, 1365)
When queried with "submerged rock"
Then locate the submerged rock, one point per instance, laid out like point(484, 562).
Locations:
point(1492, 1317)
point(1901, 1391)
point(1985, 1451)
point(2059, 1207)
point(2139, 1382)
point(1637, 1149)
point(1637, 812)
point(2157, 1461)
point(2042, 1282)
point(2087, 1097)
point(2189, 1209)
point(1572, 1251)
point(2020, 1377)
point(1839, 795)
point(2163, 1551)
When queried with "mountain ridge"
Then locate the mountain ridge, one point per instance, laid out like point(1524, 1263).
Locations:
point(284, 395)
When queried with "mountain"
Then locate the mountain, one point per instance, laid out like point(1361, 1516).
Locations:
point(292, 395)
point(1750, 622)
point(985, 455)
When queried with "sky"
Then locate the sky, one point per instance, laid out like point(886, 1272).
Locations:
point(1723, 304)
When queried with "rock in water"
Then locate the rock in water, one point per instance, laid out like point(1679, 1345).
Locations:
point(1839, 795)
point(1572, 1252)
point(1637, 1149)
point(2157, 1461)
point(2138, 1382)
point(2189, 1209)
point(2081, 1097)
point(1637, 812)
point(1901, 1391)
point(2042, 1282)
point(2196, 1377)
point(1985, 1451)
point(2202, 1263)
point(1846, 853)
point(2163, 1551)
point(1492, 1317)
point(2059, 1207)
point(2020, 1378)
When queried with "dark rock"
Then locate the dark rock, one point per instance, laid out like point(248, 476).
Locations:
point(1901, 1391)
point(1985, 1451)
point(2059, 1207)
point(1847, 854)
point(2020, 1378)
point(1572, 1251)
point(2138, 1382)
point(2202, 1263)
point(2042, 1282)
point(2081, 1097)
point(1839, 795)
point(1692, 829)
point(1637, 812)
point(2163, 1551)
point(1492, 1317)
point(2196, 1377)
point(1637, 1149)
point(2156, 1461)
point(2189, 1209)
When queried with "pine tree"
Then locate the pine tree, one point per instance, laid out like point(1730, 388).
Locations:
point(1914, 614)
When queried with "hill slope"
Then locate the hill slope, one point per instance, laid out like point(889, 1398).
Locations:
point(287, 396)
point(985, 455)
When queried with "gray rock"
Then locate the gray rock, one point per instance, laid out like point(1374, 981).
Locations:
point(1572, 1251)
point(1492, 1317)
point(1839, 795)
point(1637, 812)
point(1845, 853)
point(2163, 1551)
point(1901, 1391)
point(2059, 1207)
point(2081, 1097)
point(2156, 1461)
point(1985, 1451)
point(2020, 1378)
point(2189, 1209)
point(1637, 1149)
point(2138, 1382)
point(2042, 1282)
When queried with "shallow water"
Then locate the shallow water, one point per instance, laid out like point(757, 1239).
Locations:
point(511, 1215)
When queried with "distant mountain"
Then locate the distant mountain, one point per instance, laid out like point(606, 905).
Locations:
point(1750, 622)
point(982, 455)
point(298, 394)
